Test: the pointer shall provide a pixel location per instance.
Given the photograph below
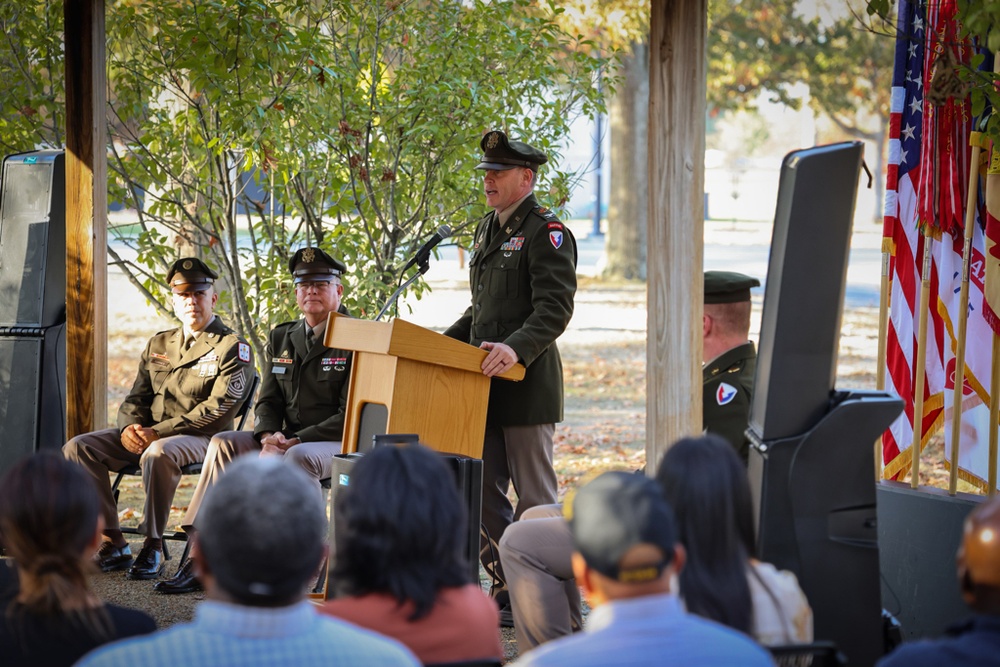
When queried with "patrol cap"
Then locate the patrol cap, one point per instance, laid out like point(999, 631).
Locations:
point(615, 512)
point(315, 265)
point(728, 286)
point(501, 153)
point(980, 550)
point(190, 273)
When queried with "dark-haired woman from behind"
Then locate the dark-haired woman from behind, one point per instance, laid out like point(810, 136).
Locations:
point(50, 525)
point(400, 568)
point(707, 485)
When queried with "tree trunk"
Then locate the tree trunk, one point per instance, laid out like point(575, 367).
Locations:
point(628, 116)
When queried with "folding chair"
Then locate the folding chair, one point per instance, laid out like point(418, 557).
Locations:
point(190, 469)
point(817, 654)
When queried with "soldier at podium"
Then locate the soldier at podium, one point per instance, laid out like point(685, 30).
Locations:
point(523, 280)
point(300, 409)
point(190, 384)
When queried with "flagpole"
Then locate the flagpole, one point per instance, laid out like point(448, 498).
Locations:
point(918, 391)
point(883, 335)
point(994, 412)
point(975, 139)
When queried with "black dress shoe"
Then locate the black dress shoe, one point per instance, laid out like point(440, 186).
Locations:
point(182, 582)
point(110, 558)
point(148, 564)
point(506, 616)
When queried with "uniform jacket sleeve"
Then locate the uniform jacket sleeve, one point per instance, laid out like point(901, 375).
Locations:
point(216, 412)
point(135, 409)
point(269, 412)
point(552, 273)
point(462, 328)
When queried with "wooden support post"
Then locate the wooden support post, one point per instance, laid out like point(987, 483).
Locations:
point(86, 217)
point(675, 289)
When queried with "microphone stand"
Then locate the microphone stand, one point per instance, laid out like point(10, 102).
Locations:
point(422, 268)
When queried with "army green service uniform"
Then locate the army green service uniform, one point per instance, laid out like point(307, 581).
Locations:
point(303, 393)
point(727, 380)
point(727, 388)
point(523, 279)
point(186, 396)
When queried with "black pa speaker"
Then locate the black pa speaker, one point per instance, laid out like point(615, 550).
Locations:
point(32, 304)
point(468, 474)
point(33, 240)
point(806, 274)
point(811, 467)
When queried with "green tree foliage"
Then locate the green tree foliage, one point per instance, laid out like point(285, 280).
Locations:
point(756, 46)
point(361, 117)
point(31, 66)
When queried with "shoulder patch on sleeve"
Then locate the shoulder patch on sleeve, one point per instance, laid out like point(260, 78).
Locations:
point(725, 393)
point(555, 225)
point(243, 351)
point(556, 238)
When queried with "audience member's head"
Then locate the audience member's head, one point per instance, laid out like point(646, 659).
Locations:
point(401, 528)
point(706, 484)
point(50, 524)
point(726, 316)
point(979, 559)
point(624, 537)
point(261, 534)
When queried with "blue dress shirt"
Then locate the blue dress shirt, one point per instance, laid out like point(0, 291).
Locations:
point(223, 634)
point(649, 631)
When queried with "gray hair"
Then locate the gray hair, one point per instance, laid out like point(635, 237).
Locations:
point(261, 531)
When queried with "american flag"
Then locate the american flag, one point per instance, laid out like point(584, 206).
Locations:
point(904, 245)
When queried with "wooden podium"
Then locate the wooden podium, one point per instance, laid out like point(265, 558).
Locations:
point(408, 379)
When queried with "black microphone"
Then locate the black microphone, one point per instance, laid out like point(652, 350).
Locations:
point(443, 232)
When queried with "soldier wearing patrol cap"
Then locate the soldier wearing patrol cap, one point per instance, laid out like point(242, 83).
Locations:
point(299, 412)
point(730, 357)
point(523, 280)
point(191, 382)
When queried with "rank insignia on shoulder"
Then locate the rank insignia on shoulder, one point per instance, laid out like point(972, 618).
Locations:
point(725, 393)
point(243, 352)
point(546, 213)
point(556, 238)
point(155, 355)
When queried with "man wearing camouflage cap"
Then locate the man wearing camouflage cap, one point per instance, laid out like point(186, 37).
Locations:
point(730, 357)
point(190, 384)
point(300, 409)
point(523, 280)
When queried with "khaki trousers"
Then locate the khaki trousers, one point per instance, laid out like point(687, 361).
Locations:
point(315, 458)
point(101, 452)
point(536, 553)
point(521, 455)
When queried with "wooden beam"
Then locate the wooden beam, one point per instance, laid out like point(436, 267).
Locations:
point(676, 223)
point(86, 217)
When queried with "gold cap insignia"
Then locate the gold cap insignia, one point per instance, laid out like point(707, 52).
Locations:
point(493, 140)
point(188, 265)
point(308, 255)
